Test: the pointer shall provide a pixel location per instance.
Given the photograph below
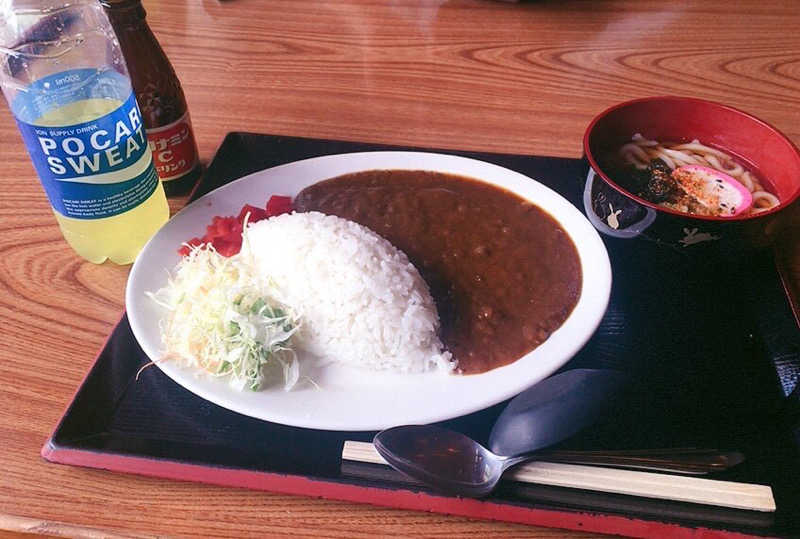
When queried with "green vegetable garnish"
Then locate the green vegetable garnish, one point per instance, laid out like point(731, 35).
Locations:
point(224, 319)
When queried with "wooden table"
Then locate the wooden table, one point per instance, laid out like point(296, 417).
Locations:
point(469, 74)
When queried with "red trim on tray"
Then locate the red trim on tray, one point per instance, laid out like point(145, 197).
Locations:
point(399, 498)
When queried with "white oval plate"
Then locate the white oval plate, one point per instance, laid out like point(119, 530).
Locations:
point(355, 399)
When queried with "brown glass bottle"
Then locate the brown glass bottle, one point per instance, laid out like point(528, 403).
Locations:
point(160, 97)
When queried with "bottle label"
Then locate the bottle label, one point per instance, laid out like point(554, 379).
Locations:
point(174, 149)
point(90, 169)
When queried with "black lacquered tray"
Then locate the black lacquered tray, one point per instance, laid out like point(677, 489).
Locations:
point(712, 345)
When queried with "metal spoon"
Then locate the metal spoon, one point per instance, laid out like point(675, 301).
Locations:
point(454, 463)
point(543, 415)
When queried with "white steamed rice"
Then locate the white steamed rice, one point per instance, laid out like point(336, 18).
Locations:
point(361, 301)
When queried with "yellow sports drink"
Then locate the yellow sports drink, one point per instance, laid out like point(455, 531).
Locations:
point(82, 127)
point(118, 238)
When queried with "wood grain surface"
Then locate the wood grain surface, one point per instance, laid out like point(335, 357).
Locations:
point(468, 74)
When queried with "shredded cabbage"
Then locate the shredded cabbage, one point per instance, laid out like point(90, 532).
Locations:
point(228, 320)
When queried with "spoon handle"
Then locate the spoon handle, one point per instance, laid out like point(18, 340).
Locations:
point(657, 451)
point(685, 461)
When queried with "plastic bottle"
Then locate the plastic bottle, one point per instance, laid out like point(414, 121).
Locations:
point(63, 75)
point(160, 96)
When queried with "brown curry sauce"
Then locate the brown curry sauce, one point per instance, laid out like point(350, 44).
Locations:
point(503, 272)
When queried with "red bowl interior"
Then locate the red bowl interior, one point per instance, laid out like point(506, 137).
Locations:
point(761, 147)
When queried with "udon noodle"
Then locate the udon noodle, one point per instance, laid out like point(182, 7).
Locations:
point(641, 152)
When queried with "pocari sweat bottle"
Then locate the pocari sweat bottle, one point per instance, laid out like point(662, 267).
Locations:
point(65, 80)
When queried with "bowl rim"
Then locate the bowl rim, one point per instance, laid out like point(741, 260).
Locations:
point(598, 169)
